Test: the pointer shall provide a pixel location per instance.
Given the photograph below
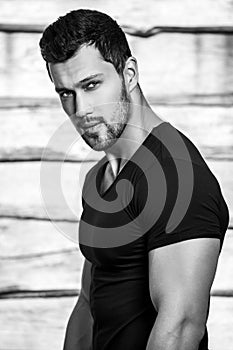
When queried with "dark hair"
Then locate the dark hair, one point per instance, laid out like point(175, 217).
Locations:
point(64, 37)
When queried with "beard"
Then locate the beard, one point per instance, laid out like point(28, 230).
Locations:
point(109, 133)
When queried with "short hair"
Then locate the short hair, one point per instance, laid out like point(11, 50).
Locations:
point(61, 39)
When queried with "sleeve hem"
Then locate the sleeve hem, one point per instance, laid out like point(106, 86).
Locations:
point(176, 238)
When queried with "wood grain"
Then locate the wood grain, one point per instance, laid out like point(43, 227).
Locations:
point(34, 324)
point(220, 323)
point(48, 272)
point(173, 68)
point(29, 239)
point(26, 132)
point(171, 12)
point(224, 276)
point(175, 65)
point(22, 187)
point(145, 32)
point(36, 255)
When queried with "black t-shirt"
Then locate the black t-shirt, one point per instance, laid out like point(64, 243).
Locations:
point(164, 194)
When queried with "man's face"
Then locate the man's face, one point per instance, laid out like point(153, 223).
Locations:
point(93, 95)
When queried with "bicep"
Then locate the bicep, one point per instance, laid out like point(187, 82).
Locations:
point(181, 274)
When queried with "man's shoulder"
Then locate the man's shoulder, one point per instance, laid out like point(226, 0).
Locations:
point(174, 144)
point(173, 156)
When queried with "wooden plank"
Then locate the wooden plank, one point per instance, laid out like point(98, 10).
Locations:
point(37, 256)
point(9, 102)
point(21, 188)
point(22, 293)
point(224, 276)
point(37, 324)
point(174, 68)
point(48, 272)
point(21, 28)
point(220, 323)
point(171, 12)
point(21, 319)
point(25, 132)
point(28, 239)
point(184, 65)
point(128, 29)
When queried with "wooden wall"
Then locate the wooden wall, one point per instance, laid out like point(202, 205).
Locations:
point(185, 56)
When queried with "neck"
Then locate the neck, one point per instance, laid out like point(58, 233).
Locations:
point(141, 121)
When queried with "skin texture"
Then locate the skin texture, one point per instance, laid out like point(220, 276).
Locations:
point(181, 274)
point(103, 99)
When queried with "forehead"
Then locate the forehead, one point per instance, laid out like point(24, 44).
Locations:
point(87, 61)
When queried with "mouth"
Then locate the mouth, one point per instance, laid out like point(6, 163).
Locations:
point(89, 125)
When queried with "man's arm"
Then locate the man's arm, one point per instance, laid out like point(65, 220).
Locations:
point(79, 329)
point(180, 278)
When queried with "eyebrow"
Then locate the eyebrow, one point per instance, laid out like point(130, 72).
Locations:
point(81, 82)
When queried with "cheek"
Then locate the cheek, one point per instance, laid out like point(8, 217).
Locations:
point(108, 98)
point(68, 107)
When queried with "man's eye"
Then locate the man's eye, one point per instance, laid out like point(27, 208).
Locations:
point(66, 94)
point(91, 86)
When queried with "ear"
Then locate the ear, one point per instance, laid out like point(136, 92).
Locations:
point(131, 73)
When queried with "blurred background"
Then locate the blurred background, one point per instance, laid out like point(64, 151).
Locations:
point(184, 50)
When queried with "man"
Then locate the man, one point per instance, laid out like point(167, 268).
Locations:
point(150, 235)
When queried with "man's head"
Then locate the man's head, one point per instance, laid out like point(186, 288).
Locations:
point(82, 27)
point(89, 61)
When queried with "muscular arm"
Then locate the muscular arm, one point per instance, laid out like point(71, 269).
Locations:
point(79, 329)
point(180, 277)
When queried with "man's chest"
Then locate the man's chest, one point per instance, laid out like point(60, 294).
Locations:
point(109, 230)
point(114, 240)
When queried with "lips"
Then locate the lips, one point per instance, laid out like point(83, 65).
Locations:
point(89, 125)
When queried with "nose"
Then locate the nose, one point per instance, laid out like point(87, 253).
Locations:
point(83, 106)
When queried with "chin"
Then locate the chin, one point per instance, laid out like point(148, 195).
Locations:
point(98, 145)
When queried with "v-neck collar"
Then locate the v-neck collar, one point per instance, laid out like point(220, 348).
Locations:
point(104, 161)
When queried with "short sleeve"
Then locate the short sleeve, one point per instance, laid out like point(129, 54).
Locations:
point(200, 213)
